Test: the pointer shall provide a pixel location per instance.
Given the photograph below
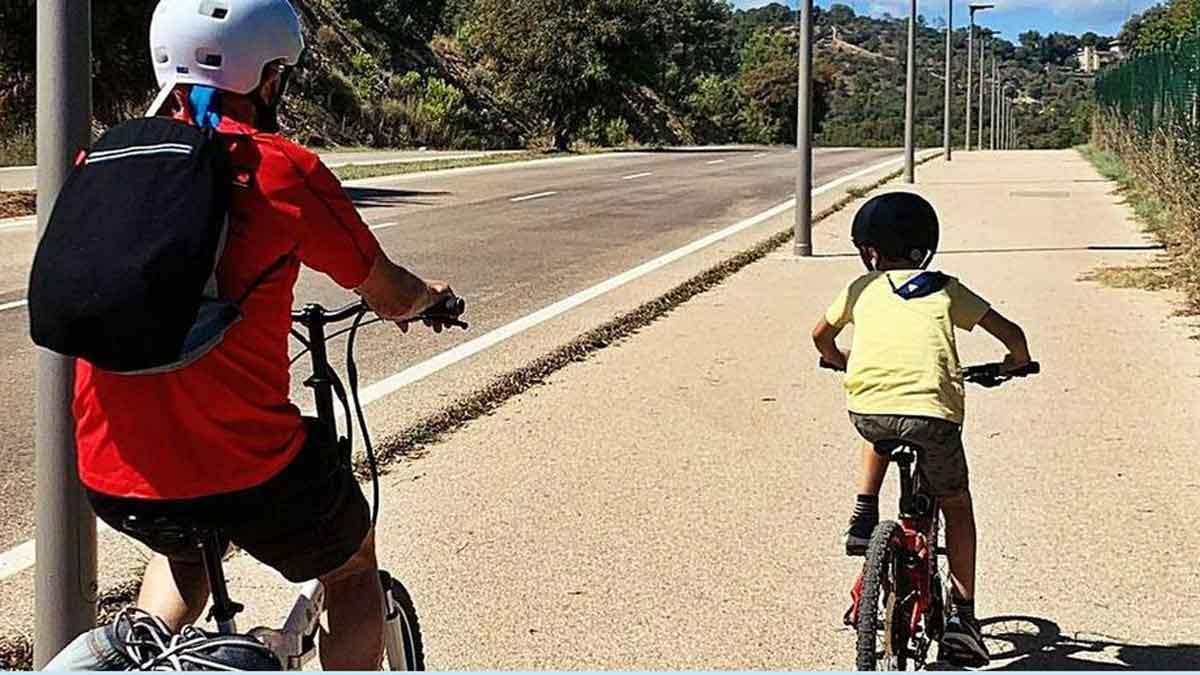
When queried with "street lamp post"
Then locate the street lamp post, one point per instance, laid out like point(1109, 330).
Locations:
point(803, 224)
point(971, 64)
point(910, 99)
point(65, 583)
point(946, 140)
point(982, 61)
point(995, 97)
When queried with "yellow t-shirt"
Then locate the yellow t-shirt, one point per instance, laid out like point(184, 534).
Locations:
point(904, 359)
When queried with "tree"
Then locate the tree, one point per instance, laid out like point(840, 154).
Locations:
point(559, 59)
point(770, 83)
point(1031, 40)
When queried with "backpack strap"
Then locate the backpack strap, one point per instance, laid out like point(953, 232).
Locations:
point(266, 274)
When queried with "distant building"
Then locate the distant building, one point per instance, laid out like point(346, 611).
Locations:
point(1089, 59)
point(1093, 58)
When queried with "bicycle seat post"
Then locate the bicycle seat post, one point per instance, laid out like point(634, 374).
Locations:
point(224, 610)
point(904, 456)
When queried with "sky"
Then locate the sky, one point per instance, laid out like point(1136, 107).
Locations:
point(1011, 17)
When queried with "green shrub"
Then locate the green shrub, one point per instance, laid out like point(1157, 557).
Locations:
point(17, 146)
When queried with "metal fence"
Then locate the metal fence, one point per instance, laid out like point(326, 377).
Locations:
point(1157, 90)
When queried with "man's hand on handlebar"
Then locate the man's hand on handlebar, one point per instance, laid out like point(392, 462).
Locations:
point(437, 294)
point(400, 296)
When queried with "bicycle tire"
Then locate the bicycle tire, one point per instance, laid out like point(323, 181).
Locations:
point(414, 647)
point(878, 608)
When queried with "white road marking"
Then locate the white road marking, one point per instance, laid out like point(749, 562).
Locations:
point(761, 154)
point(21, 557)
point(384, 226)
point(526, 198)
point(13, 305)
point(638, 175)
point(716, 161)
point(17, 559)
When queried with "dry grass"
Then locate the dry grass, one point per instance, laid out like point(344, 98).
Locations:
point(1158, 171)
point(1144, 277)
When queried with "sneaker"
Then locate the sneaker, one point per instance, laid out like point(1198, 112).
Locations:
point(962, 644)
point(859, 536)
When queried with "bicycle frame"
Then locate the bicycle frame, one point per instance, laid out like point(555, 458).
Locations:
point(919, 519)
point(295, 642)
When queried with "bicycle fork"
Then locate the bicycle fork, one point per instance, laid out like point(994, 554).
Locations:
point(396, 630)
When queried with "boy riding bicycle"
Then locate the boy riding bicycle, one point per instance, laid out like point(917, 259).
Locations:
point(904, 381)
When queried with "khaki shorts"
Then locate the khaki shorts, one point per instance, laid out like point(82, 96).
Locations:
point(939, 445)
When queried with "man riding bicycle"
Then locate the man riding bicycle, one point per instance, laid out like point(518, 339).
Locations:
point(218, 444)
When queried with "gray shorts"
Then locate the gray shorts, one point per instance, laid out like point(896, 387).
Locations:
point(942, 458)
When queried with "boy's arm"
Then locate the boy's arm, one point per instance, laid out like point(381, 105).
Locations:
point(1011, 335)
point(825, 338)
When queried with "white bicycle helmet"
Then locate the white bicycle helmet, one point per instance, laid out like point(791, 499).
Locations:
point(222, 44)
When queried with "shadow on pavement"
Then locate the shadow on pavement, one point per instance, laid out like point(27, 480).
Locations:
point(365, 197)
point(1034, 643)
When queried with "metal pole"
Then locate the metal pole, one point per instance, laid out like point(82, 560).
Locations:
point(995, 98)
point(65, 583)
point(970, 74)
point(803, 225)
point(982, 60)
point(949, 80)
point(1007, 118)
point(910, 100)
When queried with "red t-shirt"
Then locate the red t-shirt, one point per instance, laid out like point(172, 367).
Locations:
point(225, 423)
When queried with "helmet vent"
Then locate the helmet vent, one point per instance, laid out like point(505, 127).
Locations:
point(209, 59)
point(161, 55)
point(217, 9)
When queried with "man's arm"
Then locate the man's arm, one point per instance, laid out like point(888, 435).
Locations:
point(1011, 335)
point(395, 293)
point(825, 338)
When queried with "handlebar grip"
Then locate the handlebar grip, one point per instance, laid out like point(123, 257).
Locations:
point(447, 311)
point(995, 370)
point(452, 306)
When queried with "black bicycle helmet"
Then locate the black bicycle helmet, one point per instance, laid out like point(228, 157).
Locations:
point(901, 225)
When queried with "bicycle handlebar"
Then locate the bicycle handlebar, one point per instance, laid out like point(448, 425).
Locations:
point(447, 312)
point(988, 374)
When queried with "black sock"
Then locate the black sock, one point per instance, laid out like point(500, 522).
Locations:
point(866, 509)
point(965, 609)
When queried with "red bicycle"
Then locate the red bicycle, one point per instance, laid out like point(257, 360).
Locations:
point(900, 601)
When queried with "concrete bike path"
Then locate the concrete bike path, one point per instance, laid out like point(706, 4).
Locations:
point(676, 500)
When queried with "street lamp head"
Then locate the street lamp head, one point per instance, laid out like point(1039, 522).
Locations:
point(978, 7)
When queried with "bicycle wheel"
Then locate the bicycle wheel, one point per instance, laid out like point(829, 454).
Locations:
point(882, 625)
point(401, 631)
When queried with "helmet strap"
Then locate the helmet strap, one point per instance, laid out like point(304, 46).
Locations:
point(268, 111)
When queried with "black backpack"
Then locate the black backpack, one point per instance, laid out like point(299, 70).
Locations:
point(124, 276)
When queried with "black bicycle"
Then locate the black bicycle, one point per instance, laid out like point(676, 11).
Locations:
point(294, 644)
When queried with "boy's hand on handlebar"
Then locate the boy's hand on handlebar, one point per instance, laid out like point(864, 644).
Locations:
point(1014, 362)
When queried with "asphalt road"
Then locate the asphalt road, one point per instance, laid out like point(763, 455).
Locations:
point(511, 240)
